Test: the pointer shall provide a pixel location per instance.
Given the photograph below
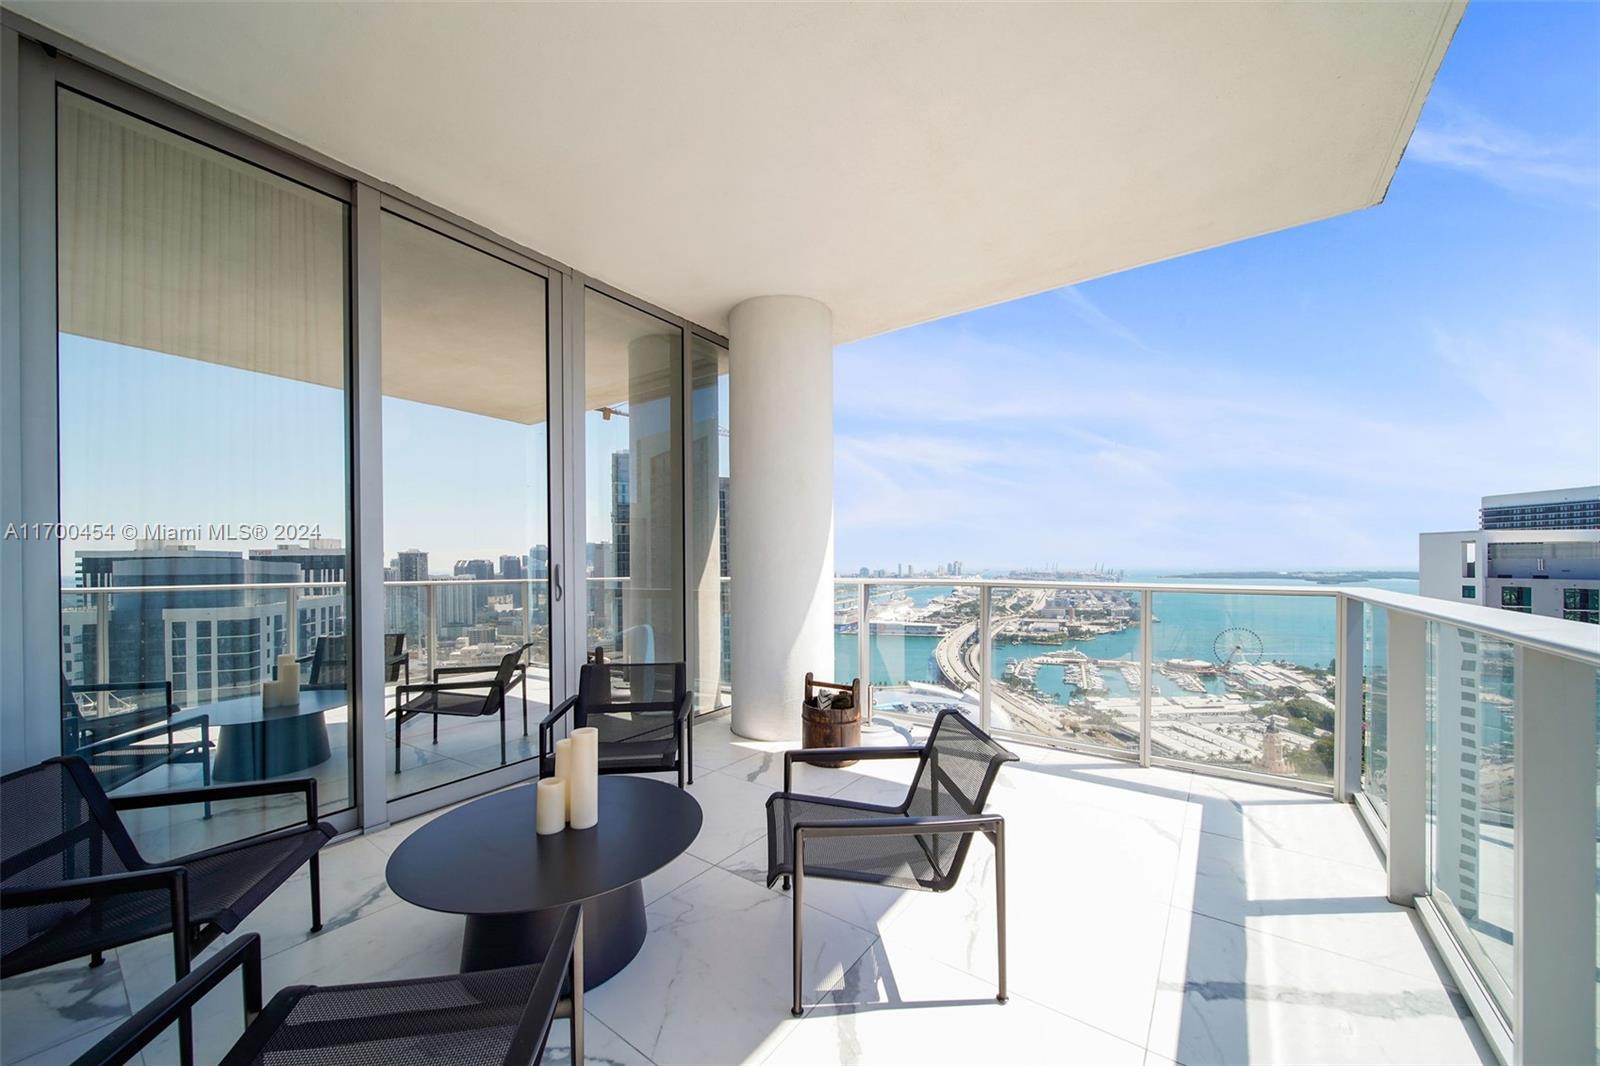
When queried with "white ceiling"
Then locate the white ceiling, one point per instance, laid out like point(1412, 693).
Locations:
point(897, 162)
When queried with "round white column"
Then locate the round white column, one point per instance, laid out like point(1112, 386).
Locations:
point(780, 508)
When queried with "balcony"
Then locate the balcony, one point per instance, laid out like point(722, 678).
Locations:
point(1208, 862)
point(1157, 914)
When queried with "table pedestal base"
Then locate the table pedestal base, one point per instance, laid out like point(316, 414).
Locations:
point(613, 933)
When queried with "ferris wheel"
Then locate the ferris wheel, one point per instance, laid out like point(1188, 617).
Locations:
point(1237, 646)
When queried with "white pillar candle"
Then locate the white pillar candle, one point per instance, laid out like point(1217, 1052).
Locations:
point(585, 784)
point(564, 771)
point(289, 672)
point(550, 807)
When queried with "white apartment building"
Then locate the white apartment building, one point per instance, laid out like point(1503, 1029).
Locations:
point(1552, 572)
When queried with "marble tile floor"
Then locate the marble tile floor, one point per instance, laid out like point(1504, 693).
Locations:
point(1155, 916)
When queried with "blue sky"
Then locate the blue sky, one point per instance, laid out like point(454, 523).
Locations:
point(1315, 397)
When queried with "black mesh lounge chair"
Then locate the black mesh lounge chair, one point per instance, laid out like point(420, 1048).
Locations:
point(464, 699)
point(329, 661)
point(73, 884)
point(642, 713)
point(121, 738)
point(491, 1016)
point(920, 843)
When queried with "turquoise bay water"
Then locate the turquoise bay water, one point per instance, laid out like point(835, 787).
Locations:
point(1298, 629)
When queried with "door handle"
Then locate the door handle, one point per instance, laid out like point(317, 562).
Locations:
point(555, 580)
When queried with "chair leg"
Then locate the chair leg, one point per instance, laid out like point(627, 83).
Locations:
point(97, 959)
point(1000, 904)
point(205, 761)
point(798, 900)
point(180, 966)
point(786, 882)
point(436, 729)
point(316, 894)
point(398, 718)
point(524, 703)
point(502, 732)
point(577, 995)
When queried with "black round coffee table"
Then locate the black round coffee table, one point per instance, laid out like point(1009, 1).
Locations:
point(484, 860)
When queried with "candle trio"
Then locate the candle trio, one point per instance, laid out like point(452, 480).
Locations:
point(572, 796)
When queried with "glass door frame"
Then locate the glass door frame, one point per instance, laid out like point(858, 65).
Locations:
point(371, 205)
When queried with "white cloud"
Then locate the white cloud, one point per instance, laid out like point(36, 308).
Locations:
point(965, 448)
point(1456, 136)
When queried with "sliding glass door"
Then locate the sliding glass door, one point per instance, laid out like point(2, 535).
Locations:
point(633, 483)
point(466, 506)
point(202, 432)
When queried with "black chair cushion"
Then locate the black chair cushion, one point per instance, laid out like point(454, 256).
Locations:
point(897, 861)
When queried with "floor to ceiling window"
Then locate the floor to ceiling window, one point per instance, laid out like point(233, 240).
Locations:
point(202, 352)
point(708, 521)
point(466, 508)
point(633, 481)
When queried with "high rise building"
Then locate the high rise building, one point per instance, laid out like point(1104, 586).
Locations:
point(406, 608)
point(210, 643)
point(482, 569)
point(1577, 508)
point(621, 514)
point(513, 567)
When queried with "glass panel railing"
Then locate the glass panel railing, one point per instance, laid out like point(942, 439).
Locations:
point(1245, 681)
point(923, 641)
point(1065, 663)
point(1471, 708)
point(1375, 707)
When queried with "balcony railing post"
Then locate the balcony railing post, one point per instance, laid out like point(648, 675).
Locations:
point(1147, 671)
point(864, 649)
point(291, 608)
point(1408, 755)
point(102, 638)
point(1553, 964)
point(1348, 720)
point(431, 611)
point(985, 658)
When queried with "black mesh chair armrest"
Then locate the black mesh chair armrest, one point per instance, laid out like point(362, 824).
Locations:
point(547, 727)
point(172, 879)
point(484, 668)
point(909, 825)
point(133, 736)
point(527, 1042)
point(681, 711)
point(809, 755)
point(447, 686)
point(130, 686)
point(307, 657)
point(133, 1035)
point(212, 793)
point(117, 686)
point(396, 659)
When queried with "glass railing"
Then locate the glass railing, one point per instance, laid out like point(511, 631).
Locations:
point(1065, 663)
point(917, 641)
point(1471, 699)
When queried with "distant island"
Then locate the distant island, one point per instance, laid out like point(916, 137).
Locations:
point(1319, 577)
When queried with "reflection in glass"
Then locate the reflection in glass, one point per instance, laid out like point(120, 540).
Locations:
point(708, 551)
point(1244, 681)
point(202, 352)
point(466, 503)
point(1471, 711)
point(633, 467)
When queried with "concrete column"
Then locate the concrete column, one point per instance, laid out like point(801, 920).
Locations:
point(1408, 756)
point(780, 508)
point(1553, 1019)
